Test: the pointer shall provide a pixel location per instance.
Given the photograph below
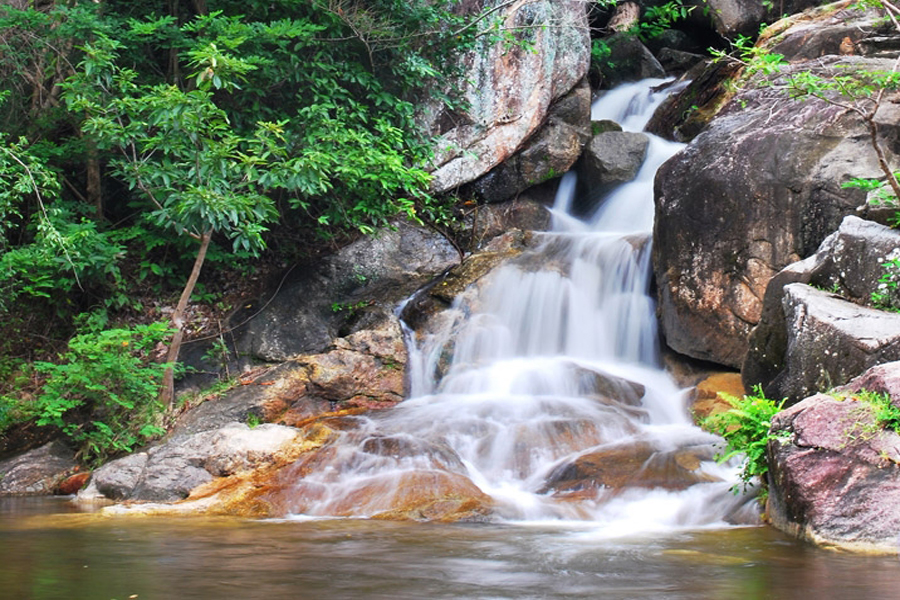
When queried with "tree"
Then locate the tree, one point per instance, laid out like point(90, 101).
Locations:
point(179, 151)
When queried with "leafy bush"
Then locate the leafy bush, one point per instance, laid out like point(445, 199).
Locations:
point(745, 427)
point(103, 393)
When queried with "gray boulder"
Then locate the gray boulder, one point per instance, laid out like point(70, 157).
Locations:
point(628, 60)
point(613, 158)
point(36, 472)
point(355, 288)
point(808, 340)
point(830, 341)
point(169, 472)
point(834, 477)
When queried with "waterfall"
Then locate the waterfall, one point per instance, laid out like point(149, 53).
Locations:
point(549, 370)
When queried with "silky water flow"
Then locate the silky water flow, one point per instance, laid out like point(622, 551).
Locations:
point(543, 389)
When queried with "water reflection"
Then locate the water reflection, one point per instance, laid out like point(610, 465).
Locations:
point(68, 556)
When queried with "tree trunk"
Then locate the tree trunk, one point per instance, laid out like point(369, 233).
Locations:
point(94, 189)
point(167, 393)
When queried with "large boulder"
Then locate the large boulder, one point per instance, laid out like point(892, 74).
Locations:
point(613, 158)
point(38, 471)
point(364, 370)
point(169, 472)
point(509, 90)
point(756, 191)
point(809, 340)
point(831, 340)
point(347, 291)
point(547, 154)
point(731, 18)
point(834, 477)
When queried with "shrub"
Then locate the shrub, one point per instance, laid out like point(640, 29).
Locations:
point(103, 392)
point(745, 428)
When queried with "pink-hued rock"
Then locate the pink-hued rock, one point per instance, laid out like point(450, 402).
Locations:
point(510, 89)
point(834, 477)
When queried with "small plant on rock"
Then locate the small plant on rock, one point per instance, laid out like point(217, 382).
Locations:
point(745, 428)
point(887, 293)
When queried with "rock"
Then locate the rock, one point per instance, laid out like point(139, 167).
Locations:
point(169, 472)
point(625, 16)
point(821, 31)
point(404, 478)
point(829, 341)
point(683, 115)
point(549, 153)
point(72, 484)
point(883, 379)
point(731, 18)
point(117, 479)
point(526, 212)
point(707, 397)
point(36, 472)
point(613, 158)
point(678, 61)
point(629, 60)
point(509, 90)
point(637, 464)
point(848, 262)
point(756, 191)
point(833, 474)
point(358, 286)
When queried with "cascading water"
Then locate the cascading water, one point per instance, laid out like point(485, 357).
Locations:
point(553, 403)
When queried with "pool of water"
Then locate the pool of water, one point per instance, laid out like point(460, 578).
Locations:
point(49, 550)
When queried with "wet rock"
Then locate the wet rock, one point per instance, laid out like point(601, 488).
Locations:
point(169, 472)
point(117, 479)
point(834, 477)
point(613, 158)
point(72, 484)
point(526, 212)
point(36, 472)
point(436, 496)
point(509, 90)
point(683, 115)
point(365, 370)
point(637, 464)
point(476, 266)
point(807, 340)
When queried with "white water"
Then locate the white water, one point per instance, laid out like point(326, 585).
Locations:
point(554, 358)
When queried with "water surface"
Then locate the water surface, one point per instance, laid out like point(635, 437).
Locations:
point(50, 552)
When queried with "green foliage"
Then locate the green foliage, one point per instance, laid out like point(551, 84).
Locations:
point(102, 392)
point(886, 413)
point(756, 60)
point(745, 428)
point(66, 254)
point(600, 53)
point(657, 19)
